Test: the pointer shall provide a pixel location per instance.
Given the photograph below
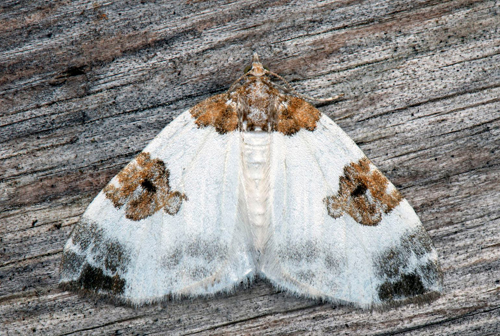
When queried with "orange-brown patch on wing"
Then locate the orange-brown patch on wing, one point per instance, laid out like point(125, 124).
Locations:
point(214, 111)
point(363, 194)
point(144, 189)
point(296, 115)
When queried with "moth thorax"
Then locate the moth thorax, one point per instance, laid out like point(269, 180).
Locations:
point(257, 105)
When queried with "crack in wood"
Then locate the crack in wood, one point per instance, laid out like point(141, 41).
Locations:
point(440, 322)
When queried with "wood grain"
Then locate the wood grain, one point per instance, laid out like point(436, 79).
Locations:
point(85, 85)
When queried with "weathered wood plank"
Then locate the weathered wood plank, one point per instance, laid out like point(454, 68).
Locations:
point(85, 85)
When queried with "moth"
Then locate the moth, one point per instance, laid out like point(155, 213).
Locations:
point(252, 182)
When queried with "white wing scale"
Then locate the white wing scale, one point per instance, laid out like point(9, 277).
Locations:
point(205, 247)
point(202, 249)
point(337, 259)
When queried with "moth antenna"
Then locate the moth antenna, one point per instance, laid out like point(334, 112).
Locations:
point(231, 88)
point(256, 69)
point(317, 100)
point(260, 71)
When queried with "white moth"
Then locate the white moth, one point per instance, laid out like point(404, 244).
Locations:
point(252, 182)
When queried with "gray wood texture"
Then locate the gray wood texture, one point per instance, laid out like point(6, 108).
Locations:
point(85, 85)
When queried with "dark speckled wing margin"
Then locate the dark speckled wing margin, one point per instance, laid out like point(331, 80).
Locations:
point(112, 260)
point(340, 230)
point(167, 225)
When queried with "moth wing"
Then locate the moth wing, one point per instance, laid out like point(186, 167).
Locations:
point(168, 224)
point(359, 243)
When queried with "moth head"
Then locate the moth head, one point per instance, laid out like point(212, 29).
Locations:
point(256, 68)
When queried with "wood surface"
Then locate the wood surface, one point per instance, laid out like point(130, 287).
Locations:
point(85, 85)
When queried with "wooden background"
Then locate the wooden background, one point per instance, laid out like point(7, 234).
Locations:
point(85, 85)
